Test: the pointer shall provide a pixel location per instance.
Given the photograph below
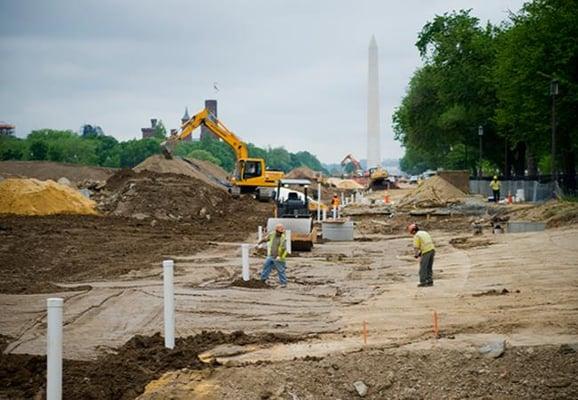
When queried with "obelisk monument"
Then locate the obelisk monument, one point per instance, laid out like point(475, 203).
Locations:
point(373, 131)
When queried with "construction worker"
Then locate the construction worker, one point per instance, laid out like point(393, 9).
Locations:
point(276, 254)
point(424, 250)
point(335, 202)
point(495, 185)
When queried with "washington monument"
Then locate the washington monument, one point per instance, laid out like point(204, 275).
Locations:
point(373, 131)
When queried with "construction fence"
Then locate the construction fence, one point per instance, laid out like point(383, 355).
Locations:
point(532, 189)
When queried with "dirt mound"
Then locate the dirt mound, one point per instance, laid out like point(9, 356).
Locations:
point(344, 184)
point(34, 197)
point(165, 196)
point(159, 164)
point(44, 170)
point(554, 213)
point(433, 192)
point(251, 284)
point(209, 169)
point(121, 375)
point(302, 173)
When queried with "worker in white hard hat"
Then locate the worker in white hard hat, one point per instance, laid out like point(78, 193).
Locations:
point(276, 254)
point(424, 250)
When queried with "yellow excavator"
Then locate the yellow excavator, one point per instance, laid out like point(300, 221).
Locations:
point(251, 174)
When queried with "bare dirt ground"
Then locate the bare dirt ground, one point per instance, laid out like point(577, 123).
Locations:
point(521, 288)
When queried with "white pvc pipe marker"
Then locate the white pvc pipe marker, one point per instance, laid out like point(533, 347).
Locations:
point(324, 214)
point(319, 202)
point(245, 259)
point(288, 237)
point(260, 233)
point(169, 302)
point(54, 349)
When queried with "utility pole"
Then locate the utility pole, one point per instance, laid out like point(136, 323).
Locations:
point(480, 134)
point(553, 93)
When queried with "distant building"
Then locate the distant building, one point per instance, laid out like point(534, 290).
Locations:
point(210, 105)
point(6, 129)
point(149, 132)
point(184, 119)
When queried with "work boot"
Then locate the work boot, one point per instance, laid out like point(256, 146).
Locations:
point(283, 285)
point(425, 284)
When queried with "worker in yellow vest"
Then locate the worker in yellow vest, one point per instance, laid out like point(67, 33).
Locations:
point(495, 185)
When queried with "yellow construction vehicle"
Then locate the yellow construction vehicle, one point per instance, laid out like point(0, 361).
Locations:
point(251, 174)
point(378, 179)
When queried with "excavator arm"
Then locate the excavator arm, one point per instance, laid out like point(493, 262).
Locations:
point(207, 119)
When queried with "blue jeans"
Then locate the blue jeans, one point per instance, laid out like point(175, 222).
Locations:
point(270, 263)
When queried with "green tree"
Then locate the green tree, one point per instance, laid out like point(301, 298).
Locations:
point(38, 150)
point(160, 132)
point(538, 46)
point(204, 155)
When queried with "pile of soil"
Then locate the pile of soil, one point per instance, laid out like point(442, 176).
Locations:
point(34, 197)
point(433, 192)
point(165, 196)
point(302, 173)
point(554, 213)
point(44, 170)
point(344, 184)
point(209, 169)
point(121, 375)
point(193, 168)
point(250, 284)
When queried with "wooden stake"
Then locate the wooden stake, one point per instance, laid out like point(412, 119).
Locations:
point(436, 329)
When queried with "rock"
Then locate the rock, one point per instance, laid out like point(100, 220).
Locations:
point(568, 348)
point(86, 193)
point(388, 380)
point(140, 216)
point(153, 223)
point(65, 181)
point(203, 212)
point(494, 349)
point(361, 388)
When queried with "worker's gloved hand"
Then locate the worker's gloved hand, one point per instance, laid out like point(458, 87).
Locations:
point(277, 258)
point(417, 254)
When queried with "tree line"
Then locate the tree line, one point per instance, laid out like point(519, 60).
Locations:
point(92, 147)
point(490, 92)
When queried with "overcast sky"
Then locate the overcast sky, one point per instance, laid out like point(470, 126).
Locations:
point(290, 73)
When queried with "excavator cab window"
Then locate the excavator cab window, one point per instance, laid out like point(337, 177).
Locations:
point(252, 169)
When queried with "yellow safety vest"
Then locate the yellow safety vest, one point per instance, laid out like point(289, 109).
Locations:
point(495, 185)
point(282, 250)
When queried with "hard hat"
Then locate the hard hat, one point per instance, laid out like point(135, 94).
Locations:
point(495, 177)
point(280, 228)
point(411, 228)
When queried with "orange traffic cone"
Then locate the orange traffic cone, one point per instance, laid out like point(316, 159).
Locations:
point(509, 200)
point(386, 198)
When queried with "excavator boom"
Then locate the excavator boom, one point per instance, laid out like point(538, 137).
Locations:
point(205, 117)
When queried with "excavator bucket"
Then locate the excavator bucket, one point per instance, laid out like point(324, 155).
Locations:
point(167, 149)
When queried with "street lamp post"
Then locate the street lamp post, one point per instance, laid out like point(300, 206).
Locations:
point(554, 93)
point(480, 134)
